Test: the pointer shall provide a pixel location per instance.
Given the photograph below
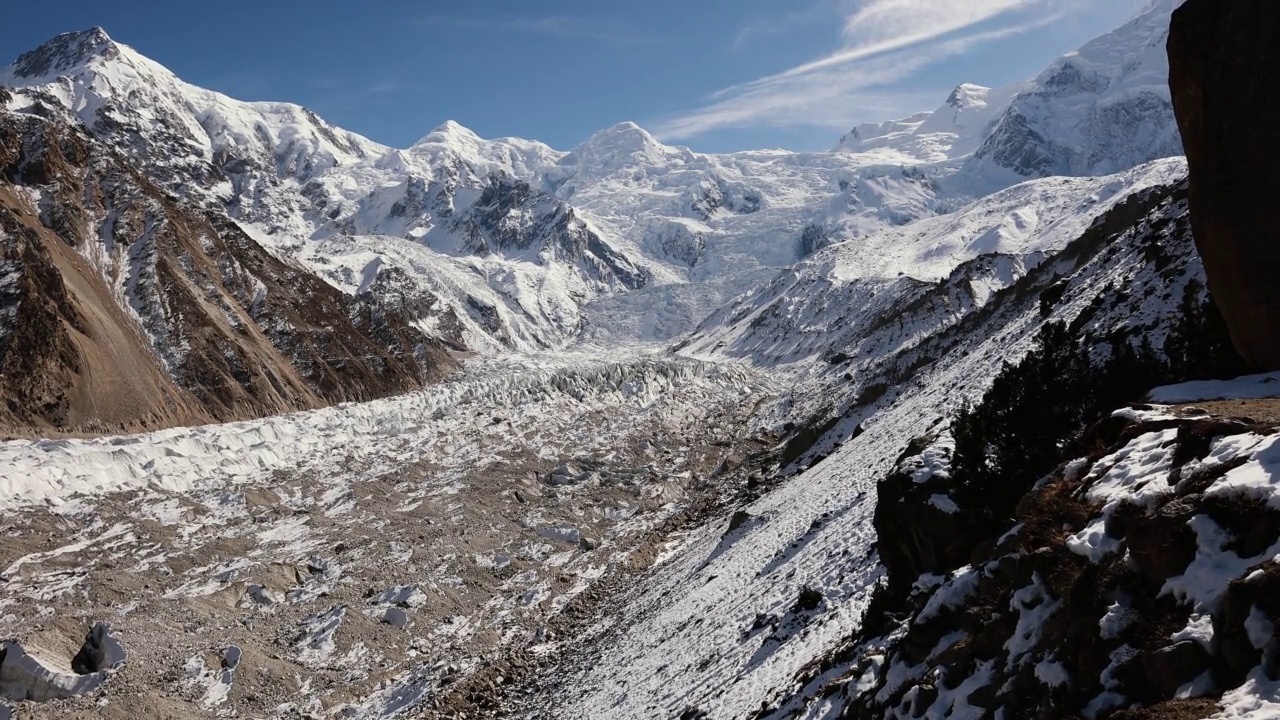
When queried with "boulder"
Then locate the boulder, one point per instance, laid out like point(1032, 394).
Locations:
point(1224, 68)
point(1171, 667)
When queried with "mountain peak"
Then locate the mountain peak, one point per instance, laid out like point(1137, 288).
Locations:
point(449, 132)
point(967, 94)
point(626, 129)
point(625, 137)
point(65, 52)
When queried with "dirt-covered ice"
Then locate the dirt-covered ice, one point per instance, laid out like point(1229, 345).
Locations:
point(360, 557)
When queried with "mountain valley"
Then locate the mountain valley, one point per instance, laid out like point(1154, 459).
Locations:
point(299, 425)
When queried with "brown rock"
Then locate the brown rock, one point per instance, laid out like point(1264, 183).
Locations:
point(1224, 62)
point(1169, 668)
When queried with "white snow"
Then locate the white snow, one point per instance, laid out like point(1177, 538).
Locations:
point(897, 209)
point(1250, 387)
point(1258, 698)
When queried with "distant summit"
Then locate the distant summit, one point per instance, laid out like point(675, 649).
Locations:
point(66, 52)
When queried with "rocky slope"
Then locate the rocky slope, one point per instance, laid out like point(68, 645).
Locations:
point(1223, 75)
point(1139, 575)
point(126, 306)
point(759, 649)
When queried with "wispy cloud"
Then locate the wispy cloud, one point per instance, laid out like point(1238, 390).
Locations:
point(775, 24)
point(883, 42)
point(565, 26)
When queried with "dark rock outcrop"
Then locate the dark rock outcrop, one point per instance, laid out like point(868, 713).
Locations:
point(918, 529)
point(1224, 71)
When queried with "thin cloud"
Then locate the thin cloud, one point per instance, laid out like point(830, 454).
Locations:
point(831, 94)
point(885, 26)
point(563, 26)
point(777, 24)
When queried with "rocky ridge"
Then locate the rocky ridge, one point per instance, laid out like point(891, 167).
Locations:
point(130, 307)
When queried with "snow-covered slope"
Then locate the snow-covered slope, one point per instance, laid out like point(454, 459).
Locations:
point(955, 130)
point(838, 299)
point(1095, 111)
point(1100, 109)
point(750, 622)
point(885, 284)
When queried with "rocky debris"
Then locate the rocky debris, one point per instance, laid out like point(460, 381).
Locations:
point(1224, 69)
point(421, 540)
point(1133, 576)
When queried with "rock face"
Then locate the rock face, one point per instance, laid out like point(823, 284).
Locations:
point(1224, 69)
point(1098, 110)
point(124, 307)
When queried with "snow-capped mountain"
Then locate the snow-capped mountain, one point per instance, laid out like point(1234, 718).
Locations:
point(524, 246)
point(955, 130)
point(508, 243)
point(1098, 110)
point(1103, 108)
point(610, 527)
point(895, 230)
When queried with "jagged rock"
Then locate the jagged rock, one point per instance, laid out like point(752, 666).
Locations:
point(206, 324)
point(1048, 616)
point(1224, 68)
point(682, 243)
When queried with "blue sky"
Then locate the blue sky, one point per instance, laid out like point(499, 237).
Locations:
point(715, 75)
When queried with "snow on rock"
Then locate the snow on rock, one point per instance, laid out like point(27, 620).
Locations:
point(314, 643)
point(1252, 387)
point(357, 553)
point(477, 510)
point(1102, 108)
